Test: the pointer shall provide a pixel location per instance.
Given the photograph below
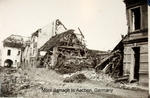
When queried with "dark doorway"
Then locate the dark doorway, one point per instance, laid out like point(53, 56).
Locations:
point(8, 63)
point(136, 62)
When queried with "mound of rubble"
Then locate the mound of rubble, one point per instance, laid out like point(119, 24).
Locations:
point(77, 78)
point(12, 82)
point(101, 78)
point(17, 82)
point(72, 66)
point(92, 75)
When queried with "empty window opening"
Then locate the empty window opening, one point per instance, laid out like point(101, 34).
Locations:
point(9, 52)
point(18, 53)
point(136, 18)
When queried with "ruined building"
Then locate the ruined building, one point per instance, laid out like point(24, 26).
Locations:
point(129, 59)
point(136, 41)
point(30, 52)
point(47, 47)
point(53, 46)
point(63, 48)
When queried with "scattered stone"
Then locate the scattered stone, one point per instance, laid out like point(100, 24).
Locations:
point(78, 78)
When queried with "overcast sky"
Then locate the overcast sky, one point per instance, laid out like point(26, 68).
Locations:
point(101, 21)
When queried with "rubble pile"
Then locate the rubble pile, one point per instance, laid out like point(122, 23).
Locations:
point(101, 77)
point(17, 83)
point(73, 65)
point(13, 83)
point(112, 64)
point(66, 53)
point(90, 75)
point(77, 78)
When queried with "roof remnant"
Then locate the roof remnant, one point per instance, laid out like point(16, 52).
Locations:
point(16, 41)
point(54, 41)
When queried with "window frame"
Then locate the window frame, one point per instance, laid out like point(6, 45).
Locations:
point(131, 24)
point(8, 52)
point(18, 52)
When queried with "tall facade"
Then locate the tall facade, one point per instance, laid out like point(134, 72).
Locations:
point(38, 39)
point(136, 42)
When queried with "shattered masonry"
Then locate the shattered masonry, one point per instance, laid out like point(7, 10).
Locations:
point(56, 47)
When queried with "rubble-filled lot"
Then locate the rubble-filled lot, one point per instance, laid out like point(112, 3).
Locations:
point(45, 83)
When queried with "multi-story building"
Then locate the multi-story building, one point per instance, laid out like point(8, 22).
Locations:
point(11, 51)
point(136, 42)
point(38, 39)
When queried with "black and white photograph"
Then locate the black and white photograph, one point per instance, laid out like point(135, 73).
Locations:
point(74, 49)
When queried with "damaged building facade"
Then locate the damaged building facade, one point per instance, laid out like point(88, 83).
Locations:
point(136, 41)
point(38, 39)
point(53, 46)
point(11, 50)
point(64, 50)
point(50, 46)
point(129, 59)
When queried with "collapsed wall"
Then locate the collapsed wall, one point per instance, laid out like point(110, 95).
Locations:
point(65, 53)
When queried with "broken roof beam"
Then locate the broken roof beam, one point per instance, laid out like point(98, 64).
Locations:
point(69, 47)
point(58, 22)
point(81, 32)
point(54, 41)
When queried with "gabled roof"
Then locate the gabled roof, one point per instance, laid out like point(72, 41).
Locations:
point(54, 41)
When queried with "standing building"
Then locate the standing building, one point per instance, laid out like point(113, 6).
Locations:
point(136, 42)
point(11, 51)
